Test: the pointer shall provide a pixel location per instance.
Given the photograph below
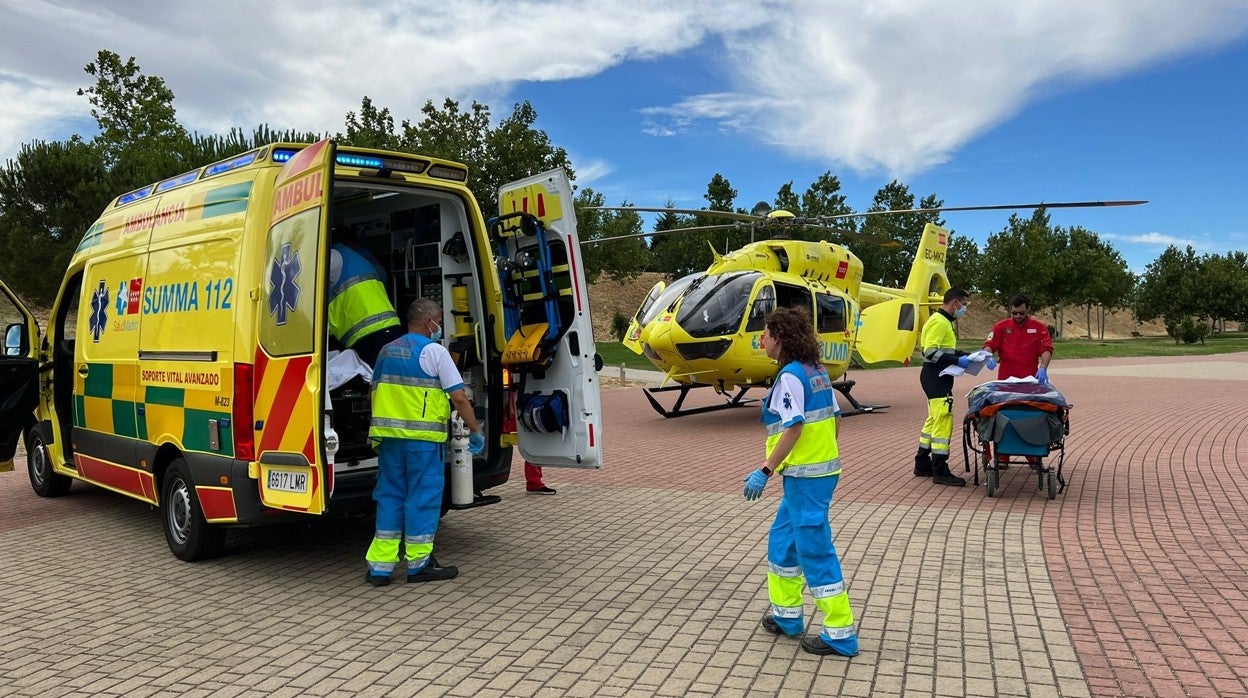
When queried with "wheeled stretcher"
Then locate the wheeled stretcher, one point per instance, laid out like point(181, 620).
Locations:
point(1016, 422)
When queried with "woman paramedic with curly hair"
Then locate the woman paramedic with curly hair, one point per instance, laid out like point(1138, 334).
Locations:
point(800, 416)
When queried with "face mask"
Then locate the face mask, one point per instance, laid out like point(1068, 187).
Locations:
point(437, 334)
point(960, 311)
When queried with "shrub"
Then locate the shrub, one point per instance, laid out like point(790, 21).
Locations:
point(619, 325)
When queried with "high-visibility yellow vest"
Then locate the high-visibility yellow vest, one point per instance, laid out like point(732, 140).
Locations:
point(358, 304)
point(815, 454)
point(407, 402)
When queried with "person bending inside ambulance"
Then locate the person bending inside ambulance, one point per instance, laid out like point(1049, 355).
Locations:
point(361, 316)
point(800, 414)
point(940, 351)
point(1022, 343)
point(415, 382)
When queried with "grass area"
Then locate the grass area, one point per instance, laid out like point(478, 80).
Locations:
point(614, 353)
point(1143, 346)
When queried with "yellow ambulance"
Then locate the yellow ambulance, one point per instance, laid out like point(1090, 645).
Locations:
point(187, 361)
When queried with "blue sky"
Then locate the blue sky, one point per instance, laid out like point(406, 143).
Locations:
point(979, 103)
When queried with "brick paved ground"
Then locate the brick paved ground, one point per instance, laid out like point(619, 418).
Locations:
point(648, 577)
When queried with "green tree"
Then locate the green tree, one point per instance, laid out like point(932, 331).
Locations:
point(962, 262)
point(620, 260)
point(371, 128)
point(49, 195)
point(890, 266)
point(1021, 259)
point(1221, 293)
point(684, 254)
point(1168, 287)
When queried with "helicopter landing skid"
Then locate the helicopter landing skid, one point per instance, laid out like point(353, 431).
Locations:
point(843, 387)
point(676, 411)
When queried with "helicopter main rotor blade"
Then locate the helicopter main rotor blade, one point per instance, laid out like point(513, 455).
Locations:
point(695, 229)
point(709, 213)
point(995, 207)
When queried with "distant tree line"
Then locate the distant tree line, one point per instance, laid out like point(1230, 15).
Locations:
point(52, 191)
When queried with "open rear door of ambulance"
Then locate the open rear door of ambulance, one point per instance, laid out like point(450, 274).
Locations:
point(288, 380)
point(19, 372)
point(559, 408)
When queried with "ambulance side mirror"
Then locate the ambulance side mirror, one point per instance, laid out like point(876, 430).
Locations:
point(16, 343)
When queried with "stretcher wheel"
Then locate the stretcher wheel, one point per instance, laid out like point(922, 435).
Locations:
point(1052, 484)
point(990, 481)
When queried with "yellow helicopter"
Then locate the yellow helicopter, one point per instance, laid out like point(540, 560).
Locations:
point(704, 330)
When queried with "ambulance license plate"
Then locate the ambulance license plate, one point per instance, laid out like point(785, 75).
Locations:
point(287, 481)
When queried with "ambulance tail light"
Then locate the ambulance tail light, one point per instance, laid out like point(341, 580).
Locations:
point(244, 414)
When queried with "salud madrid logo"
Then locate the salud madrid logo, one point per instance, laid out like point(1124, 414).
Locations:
point(283, 291)
point(99, 311)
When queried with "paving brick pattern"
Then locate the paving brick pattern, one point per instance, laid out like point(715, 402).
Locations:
point(647, 578)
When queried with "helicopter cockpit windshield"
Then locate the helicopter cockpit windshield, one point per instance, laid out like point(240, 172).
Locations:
point(665, 300)
point(716, 308)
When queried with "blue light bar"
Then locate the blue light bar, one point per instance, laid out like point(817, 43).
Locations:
point(227, 165)
point(177, 181)
point(134, 195)
point(358, 160)
point(283, 154)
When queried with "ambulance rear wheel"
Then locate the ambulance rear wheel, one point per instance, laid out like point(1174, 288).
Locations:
point(43, 479)
point(190, 537)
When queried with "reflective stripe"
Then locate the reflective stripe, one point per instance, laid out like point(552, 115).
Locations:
point(349, 336)
point(813, 469)
point(343, 285)
point(419, 539)
point(387, 535)
point(828, 590)
point(839, 633)
point(786, 611)
point(413, 425)
point(409, 381)
point(784, 571)
point(810, 417)
point(381, 569)
point(938, 440)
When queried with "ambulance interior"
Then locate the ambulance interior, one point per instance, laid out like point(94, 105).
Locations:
point(418, 237)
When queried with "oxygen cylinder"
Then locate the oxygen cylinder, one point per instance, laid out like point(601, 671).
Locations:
point(461, 463)
point(459, 306)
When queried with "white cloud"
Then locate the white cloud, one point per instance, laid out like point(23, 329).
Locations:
point(1152, 239)
point(590, 170)
point(305, 64)
point(898, 85)
point(888, 85)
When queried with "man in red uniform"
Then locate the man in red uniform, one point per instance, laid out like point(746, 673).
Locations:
point(1022, 343)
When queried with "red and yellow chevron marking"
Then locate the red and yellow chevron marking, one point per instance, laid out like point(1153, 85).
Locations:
point(286, 408)
point(119, 478)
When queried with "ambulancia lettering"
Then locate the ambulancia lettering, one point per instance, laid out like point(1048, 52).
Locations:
point(295, 193)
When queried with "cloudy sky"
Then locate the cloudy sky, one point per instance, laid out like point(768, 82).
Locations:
point(977, 102)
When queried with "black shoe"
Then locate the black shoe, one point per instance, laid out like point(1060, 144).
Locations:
point(922, 470)
point(542, 490)
point(948, 478)
point(923, 463)
point(770, 625)
point(816, 645)
point(377, 580)
point(433, 572)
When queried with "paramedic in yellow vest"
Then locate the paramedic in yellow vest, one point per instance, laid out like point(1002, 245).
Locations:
point(800, 414)
point(415, 383)
point(940, 351)
point(361, 316)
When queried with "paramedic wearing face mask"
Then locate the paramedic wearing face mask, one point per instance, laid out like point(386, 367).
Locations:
point(940, 350)
point(415, 384)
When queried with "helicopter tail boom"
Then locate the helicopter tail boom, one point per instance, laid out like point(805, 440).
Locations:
point(891, 318)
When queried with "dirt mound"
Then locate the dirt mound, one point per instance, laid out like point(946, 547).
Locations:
point(608, 297)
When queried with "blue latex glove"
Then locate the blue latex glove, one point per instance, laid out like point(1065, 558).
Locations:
point(1042, 375)
point(991, 364)
point(754, 484)
point(476, 443)
point(964, 361)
